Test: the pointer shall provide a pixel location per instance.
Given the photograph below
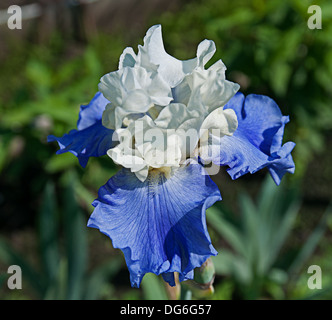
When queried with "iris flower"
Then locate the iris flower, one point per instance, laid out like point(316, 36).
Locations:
point(162, 119)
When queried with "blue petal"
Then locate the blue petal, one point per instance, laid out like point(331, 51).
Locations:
point(91, 139)
point(93, 112)
point(169, 277)
point(257, 142)
point(159, 224)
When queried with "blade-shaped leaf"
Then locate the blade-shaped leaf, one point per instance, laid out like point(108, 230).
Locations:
point(101, 275)
point(48, 236)
point(311, 243)
point(226, 229)
point(10, 256)
point(75, 237)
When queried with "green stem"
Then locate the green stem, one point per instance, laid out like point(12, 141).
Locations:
point(186, 293)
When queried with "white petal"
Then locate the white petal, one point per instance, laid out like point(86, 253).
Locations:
point(108, 118)
point(218, 67)
point(132, 91)
point(142, 174)
point(124, 154)
point(137, 101)
point(205, 51)
point(110, 86)
point(171, 69)
point(167, 105)
point(172, 116)
point(216, 92)
point(128, 58)
point(113, 116)
point(159, 90)
point(221, 122)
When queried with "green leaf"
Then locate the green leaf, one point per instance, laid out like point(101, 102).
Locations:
point(267, 198)
point(75, 237)
point(251, 224)
point(48, 236)
point(284, 229)
point(101, 275)
point(223, 262)
point(60, 162)
point(225, 229)
point(228, 264)
point(277, 211)
point(10, 256)
point(311, 243)
point(56, 290)
point(3, 278)
point(323, 294)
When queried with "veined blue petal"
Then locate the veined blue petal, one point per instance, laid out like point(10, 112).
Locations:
point(91, 139)
point(159, 224)
point(257, 142)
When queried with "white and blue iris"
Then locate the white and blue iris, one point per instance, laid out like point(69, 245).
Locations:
point(153, 209)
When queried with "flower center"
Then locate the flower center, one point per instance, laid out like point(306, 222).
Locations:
point(156, 173)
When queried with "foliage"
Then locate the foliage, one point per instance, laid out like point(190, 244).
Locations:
point(260, 261)
point(62, 273)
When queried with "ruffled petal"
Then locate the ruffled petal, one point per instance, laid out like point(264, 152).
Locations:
point(91, 139)
point(215, 90)
point(257, 142)
point(171, 69)
point(91, 113)
point(159, 224)
point(132, 91)
point(143, 145)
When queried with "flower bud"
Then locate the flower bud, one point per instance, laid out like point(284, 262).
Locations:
point(202, 284)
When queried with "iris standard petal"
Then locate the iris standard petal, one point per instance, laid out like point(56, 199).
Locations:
point(257, 142)
point(171, 69)
point(91, 139)
point(158, 224)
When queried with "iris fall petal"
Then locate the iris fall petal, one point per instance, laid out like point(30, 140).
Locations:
point(159, 224)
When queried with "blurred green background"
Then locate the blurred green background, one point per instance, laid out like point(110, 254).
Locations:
point(267, 236)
